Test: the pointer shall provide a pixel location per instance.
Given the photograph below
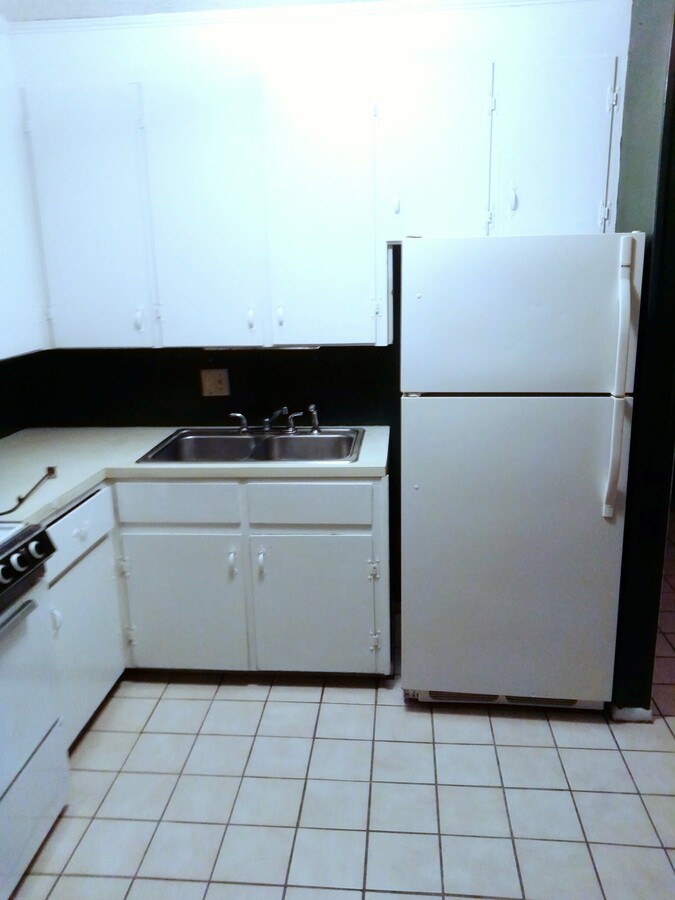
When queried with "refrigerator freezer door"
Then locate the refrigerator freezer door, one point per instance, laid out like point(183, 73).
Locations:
point(519, 315)
point(510, 572)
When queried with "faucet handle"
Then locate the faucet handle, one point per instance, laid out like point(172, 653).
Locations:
point(243, 424)
point(291, 421)
point(311, 409)
point(267, 423)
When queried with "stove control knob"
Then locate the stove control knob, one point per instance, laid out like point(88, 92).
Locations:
point(4, 580)
point(35, 551)
point(15, 562)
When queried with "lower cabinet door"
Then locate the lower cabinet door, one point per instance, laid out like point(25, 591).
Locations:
point(87, 635)
point(314, 602)
point(186, 600)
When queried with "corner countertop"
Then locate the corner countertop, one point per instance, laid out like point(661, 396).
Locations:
point(84, 457)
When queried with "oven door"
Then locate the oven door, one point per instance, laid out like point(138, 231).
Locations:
point(28, 702)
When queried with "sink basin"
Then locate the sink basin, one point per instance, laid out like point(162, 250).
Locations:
point(192, 445)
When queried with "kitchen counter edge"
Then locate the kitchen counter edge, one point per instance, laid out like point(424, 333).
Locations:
point(85, 457)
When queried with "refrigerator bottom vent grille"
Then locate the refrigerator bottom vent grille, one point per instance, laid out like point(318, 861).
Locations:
point(456, 697)
point(539, 701)
point(462, 697)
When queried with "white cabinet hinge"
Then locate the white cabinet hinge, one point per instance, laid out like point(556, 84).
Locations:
point(492, 103)
point(612, 99)
point(374, 569)
point(375, 641)
point(123, 566)
point(605, 213)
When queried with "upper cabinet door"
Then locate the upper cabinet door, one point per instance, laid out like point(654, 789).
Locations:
point(320, 203)
point(21, 299)
point(552, 141)
point(206, 177)
point(433, 147)
point(89, 179)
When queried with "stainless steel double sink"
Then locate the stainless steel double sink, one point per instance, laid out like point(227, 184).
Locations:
point(193, 445)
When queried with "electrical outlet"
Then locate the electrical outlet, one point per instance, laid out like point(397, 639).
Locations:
point(215, 383)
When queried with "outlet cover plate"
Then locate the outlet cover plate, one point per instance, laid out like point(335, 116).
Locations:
point(215, 383)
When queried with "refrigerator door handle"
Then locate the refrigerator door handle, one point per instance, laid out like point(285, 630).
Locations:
point(618, 417)
point(625, 295)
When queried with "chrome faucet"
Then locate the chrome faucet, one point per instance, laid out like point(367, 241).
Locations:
point(267, 423)
point(292, 428)
point(243, 424)
point(311, 409)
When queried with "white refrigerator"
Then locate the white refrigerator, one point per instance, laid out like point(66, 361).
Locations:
point(517, 362)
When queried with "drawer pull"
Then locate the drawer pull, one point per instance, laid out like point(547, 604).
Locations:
point(82, 531)
point(261, 562)
point(57, 619)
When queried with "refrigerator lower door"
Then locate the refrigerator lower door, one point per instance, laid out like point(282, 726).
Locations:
point(510, 570)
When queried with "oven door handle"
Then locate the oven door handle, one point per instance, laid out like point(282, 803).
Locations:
point(14, 615)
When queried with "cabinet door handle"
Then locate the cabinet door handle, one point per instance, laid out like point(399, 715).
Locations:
point(280, 315)
point(231, 557)
point(513, 199)
point(138, 319)
point(396, 204)
point(251, 319)
point(261, 562)
point(57, 619)
point(82, 531)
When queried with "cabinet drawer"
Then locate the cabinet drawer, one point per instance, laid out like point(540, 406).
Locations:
point(163, 503)
point(75, 532)
point(301, 503)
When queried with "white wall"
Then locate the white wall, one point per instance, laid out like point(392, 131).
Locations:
point(21, 296)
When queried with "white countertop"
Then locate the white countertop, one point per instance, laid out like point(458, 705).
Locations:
point(84, 457)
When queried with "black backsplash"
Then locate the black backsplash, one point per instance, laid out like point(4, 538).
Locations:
point(349, 385)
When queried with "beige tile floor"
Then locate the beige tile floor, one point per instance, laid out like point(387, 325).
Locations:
point(329, 790)
point(337, 791)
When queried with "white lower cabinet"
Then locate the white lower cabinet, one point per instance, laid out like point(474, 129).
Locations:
point(84, 600)
point(187, 603)
point(314, 602)
point(278, 575)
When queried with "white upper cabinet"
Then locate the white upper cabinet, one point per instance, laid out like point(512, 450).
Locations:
point(433, 146)
point(87, 156)
point(235, 181)
point(319, 148)
point(21, 300)
point(206, 170)
point(553, 129)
